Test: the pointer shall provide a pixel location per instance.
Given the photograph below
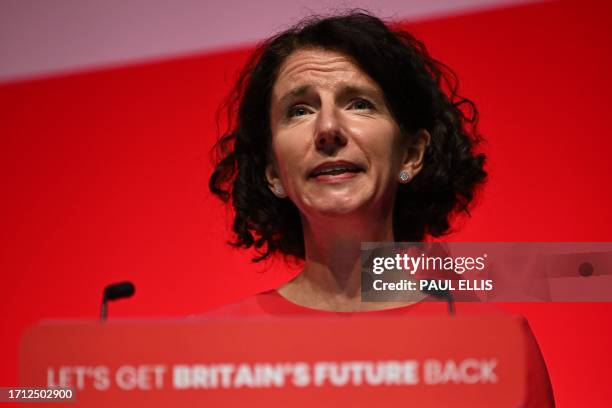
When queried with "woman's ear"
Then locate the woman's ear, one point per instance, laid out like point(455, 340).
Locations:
point(274, 182)
point(415, 153)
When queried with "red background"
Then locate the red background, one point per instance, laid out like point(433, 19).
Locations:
point(104, 177)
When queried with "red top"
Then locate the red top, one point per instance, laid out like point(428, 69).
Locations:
point(272, 304)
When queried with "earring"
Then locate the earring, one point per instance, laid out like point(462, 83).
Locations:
point(404, 176)
point(279, 191)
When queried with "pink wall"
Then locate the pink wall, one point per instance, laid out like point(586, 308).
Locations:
point(104, 177)
point(42, 38)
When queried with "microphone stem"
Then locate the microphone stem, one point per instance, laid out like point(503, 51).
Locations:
point(451, 305)
point(103, 310)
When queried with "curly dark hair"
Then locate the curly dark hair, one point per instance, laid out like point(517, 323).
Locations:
point(421, 92)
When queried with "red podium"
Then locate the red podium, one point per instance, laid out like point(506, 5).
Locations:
point(298, 362)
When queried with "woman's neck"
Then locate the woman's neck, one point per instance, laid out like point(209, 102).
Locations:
point(331, 276)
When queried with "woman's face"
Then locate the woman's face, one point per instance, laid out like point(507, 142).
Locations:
point(336, 148)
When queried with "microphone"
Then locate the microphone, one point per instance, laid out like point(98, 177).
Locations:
point(442, 294)
point(115, 291)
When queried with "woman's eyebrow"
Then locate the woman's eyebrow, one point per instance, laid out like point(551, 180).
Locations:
point(353, 90)
point(298, 92)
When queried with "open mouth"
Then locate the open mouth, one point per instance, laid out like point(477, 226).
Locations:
point(335, 168)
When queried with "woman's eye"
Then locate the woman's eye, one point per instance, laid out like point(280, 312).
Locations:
point(361, 105)
point(298, 111)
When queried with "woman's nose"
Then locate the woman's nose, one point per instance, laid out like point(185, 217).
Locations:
point(329, 134)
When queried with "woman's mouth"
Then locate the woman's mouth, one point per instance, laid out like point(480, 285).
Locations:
point(335, 171)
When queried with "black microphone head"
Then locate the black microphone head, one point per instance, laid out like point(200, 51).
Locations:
point(119, 290)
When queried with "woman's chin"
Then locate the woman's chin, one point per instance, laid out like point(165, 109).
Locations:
point(335, 207)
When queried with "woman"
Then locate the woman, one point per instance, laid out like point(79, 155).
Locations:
point(346, 131)
point(344, 134)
